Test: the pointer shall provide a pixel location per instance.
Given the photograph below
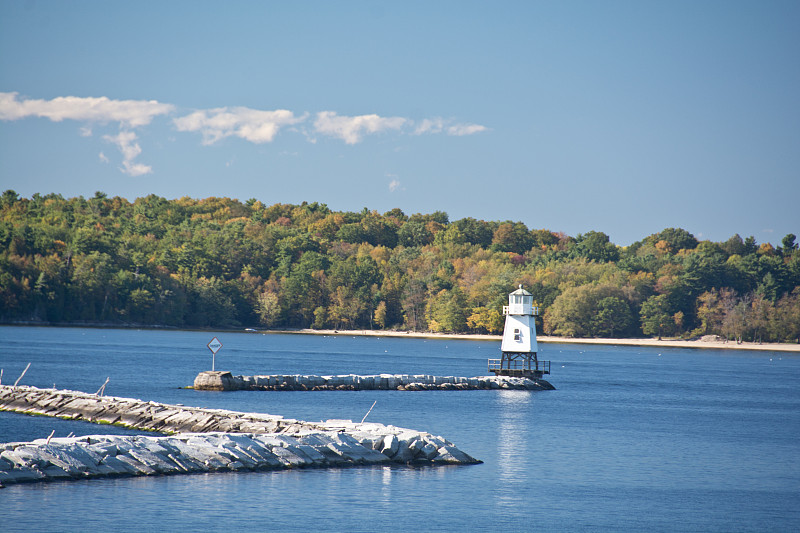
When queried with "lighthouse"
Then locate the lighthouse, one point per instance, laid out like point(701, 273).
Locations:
point(519, 345)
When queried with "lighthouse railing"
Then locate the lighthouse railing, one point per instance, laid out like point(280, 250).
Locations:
point(518, 366)
point(520, 309)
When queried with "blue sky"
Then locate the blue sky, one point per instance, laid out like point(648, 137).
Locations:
point(625, 117)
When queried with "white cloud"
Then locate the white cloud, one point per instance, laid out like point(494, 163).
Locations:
point(351, 129)
point(252, 125)
point(465, 129)
point(439, 125)
point(249, 124)
point(129, 113)
point(214, 124)
point(394, 183)
point(430, 125)
point(130, 149)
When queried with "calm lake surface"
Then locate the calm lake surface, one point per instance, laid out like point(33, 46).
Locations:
point(634, 439)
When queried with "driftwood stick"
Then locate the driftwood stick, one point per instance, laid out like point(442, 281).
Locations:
point(23, 373)
point(102, 389)
point(368, 412)
point(51, 436)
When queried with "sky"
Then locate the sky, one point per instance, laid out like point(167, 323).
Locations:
point(625, 117)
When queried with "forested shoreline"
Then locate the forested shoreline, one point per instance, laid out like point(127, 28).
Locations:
point(222, 263)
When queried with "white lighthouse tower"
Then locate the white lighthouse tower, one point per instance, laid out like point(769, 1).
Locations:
point(519, 340)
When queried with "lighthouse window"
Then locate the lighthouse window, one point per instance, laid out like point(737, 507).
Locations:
point(516, 335)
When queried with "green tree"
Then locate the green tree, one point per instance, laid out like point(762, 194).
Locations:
point(414, 302)
point(474, 231)
point(345, 308)
point(320, 317)
point(303, 290)
point(210, 306)
point(788, 244)
point(657, 317)
point(352, 233)
point(576, 311)
point(512, 237)
point(734, 246)
point(784, 319)
point(596, 246)
point(676, 239)
point(613, 317)
point(446, 311)
point(140, 303)
point(414, 233)
point(379, 231)
point(380, 315)
point(485, 320)
point(268, 308)
point(710, 312)
point(9, 198)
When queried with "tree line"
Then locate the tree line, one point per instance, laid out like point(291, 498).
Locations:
point(221, 263)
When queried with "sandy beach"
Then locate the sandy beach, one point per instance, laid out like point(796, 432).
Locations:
point(667, 343)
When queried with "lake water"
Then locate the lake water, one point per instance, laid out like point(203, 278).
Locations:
point(634, 439)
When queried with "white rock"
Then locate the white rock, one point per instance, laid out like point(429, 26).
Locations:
point(390, 445)
point(287, 457)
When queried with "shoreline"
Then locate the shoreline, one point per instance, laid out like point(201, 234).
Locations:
point(547, 339)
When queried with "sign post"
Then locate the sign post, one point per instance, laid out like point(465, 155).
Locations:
point(214, 346)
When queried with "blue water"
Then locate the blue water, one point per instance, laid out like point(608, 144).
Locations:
point(634, 439)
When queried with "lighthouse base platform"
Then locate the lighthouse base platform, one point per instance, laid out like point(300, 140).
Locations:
point(516, 373)
point(519, 365)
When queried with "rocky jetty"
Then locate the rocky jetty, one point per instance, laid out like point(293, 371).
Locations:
point(225, 381)
point(204, 440)
point(104, 455)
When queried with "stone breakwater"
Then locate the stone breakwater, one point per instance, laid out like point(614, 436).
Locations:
point(205, 440)
point(224, 381)
point(112, 456)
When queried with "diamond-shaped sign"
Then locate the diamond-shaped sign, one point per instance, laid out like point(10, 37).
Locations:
point(214, 345)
